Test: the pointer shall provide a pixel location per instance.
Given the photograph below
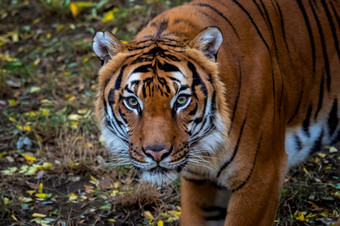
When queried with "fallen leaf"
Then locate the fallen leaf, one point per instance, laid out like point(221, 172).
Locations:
point(39, 215)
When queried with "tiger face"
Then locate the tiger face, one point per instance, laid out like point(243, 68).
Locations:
point(157, 102)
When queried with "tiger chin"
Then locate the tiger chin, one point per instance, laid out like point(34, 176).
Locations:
point(227, 94)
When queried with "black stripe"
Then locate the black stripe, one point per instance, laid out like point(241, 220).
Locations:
point(283, 30)
point(272, 32)
point(254, 24)
point(221, 14)
point(306, 122)
point(193, 111)
point(218, 213)
point(161, 28)
point(310, 32)
point(122, 115)
point(331, 24)
point(111, 97)
point(167, 67)
point(318, 143)
point(207, 15)
point(196, 81)
point(252, 169)
point(264, 41)
point(235, 149)
point(237, 97)
point(320, 97)
point(143, 69)
point(298, 142)
point(333, 119)
point(324, 50)
point(335, 14)
point(297, 106)
point(119, 78)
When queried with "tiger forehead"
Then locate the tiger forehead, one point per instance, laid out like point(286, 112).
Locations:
point(166, 43)
point(149, 79)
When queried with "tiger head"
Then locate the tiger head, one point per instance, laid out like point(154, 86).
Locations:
point(160, 101)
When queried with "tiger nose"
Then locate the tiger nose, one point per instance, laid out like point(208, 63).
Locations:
point(157, 153)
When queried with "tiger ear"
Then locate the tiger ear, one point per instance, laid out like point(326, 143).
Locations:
point(106, 45)
point(208, 41)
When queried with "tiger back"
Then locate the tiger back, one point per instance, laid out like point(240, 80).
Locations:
point(228, 94)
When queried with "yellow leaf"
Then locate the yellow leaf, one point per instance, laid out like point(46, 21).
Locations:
point(175, 213)
point(337, 194)
point(12, 119)
point(60, 27)
point(82, 111)
point(94, 86)
point(94, 180)
point(45, 111)
point(46, 102)
point(25, 199)
point(160, 223)
point(85, 60)
point(73, 197)
point(2, 154)
point(29, 159)
point(328, 167)
point(37, 20)
point(75, 9)
point(67, 73)
point(38, 167)
point(12, 102)
point(148, 215)
point(14, 217)
point(109, 15)
point(333, 150)
point(316, 159)
point(38, 215)
point(125, 42)
point(47, 165)
point(115, 192)
point(69, 98)
point(6, 200)
point(321, 155)
point(40, 188)
point(301, 217)
point(48, 35)
point(111, 220)
point(34, 89)
point(36, 61)
point(305, 170)
point(31, 192)
point(74, 125)
point(116, 184)
point(31, 114)
point(74, 117)
point(41, 195)
point(24, 128)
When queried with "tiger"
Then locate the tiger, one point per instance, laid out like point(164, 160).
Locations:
point(228, 95)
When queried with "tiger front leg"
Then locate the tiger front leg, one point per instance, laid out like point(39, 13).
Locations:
point(256, 202)
point(202, 203)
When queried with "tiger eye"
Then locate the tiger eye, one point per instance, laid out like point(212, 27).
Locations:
point(181, 99)
point(132, 101)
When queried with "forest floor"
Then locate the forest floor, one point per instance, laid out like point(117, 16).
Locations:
point(54, 169)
